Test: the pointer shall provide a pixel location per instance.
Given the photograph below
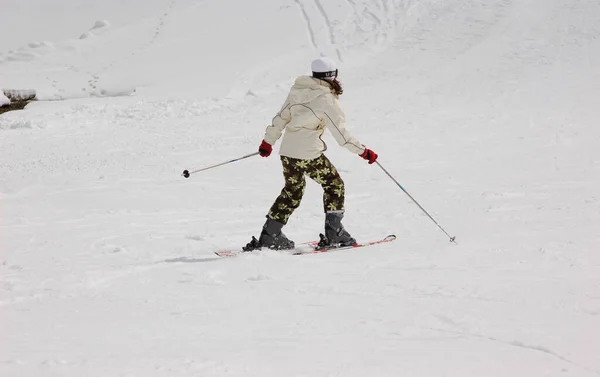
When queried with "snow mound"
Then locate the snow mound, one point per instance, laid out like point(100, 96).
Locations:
point(22, 120)
point(3, 99)
point(6, 123)
point(33, 51)
point(22, 55)
point(86, 35)
point(40, 45)
point(100, 24)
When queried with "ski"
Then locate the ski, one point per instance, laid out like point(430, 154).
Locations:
point(309, 248)
point(316, 250)
point(236, 252)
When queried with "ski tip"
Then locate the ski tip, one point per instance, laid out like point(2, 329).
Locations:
point(225, 253)
point(391, 237)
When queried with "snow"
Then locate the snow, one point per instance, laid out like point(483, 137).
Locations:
point(484, 111)
point(3, 100)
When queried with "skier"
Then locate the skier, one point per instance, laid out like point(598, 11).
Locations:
point(311, 106)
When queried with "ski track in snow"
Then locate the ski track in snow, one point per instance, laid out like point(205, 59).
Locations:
point(309, 27)
point(514, 343)
point(377, 23)
point(330, 29)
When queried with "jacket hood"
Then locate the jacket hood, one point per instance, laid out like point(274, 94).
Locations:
point(307, 88)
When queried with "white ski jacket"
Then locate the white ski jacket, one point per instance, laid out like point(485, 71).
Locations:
point(310, 107)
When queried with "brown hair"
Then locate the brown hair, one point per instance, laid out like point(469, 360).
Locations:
point(336, 86)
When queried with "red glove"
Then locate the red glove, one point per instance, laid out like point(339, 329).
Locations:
point(265, 149)
point(369, 155)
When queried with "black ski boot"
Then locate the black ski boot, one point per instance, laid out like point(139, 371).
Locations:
point(335, 234)
point(252, 245)
point(271, 237)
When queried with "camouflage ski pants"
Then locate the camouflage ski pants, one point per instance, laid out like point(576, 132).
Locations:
point(321, 171)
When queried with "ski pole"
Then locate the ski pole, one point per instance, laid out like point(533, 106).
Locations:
point(452, 239)
point(188, 173)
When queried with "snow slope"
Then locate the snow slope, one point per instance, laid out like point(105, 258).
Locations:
point(484, 110)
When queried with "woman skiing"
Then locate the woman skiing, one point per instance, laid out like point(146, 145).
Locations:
point(311, 106)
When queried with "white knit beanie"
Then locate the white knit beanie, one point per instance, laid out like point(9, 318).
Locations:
point(324, 68)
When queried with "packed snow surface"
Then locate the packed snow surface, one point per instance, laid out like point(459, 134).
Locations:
point(486, 111)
